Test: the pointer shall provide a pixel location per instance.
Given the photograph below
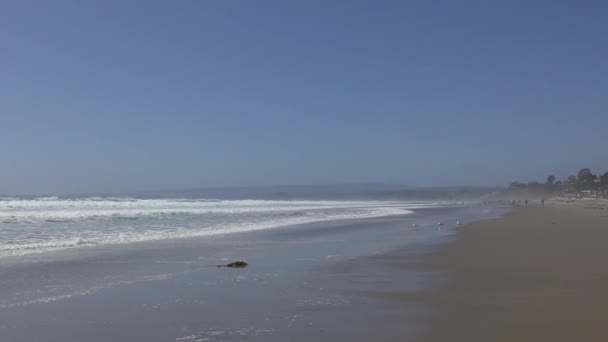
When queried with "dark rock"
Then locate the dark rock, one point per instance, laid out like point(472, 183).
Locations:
point(236, 264)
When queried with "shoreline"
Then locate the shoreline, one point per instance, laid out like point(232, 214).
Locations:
point(82, 246)
point(155, 292)
point(304, 283)
point(539, 273)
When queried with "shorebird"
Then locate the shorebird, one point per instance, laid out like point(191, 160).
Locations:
point(458, 223)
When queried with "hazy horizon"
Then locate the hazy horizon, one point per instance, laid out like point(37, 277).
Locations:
point(261, 190)
point(119, 97)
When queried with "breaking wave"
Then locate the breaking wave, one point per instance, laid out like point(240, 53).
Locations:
point(50, 223)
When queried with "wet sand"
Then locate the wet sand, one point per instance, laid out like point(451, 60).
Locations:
point(538, 274)
point(303, 283)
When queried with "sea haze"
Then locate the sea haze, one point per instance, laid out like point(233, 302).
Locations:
point(351, 191)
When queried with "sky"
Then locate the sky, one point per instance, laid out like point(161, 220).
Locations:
point(114, 96)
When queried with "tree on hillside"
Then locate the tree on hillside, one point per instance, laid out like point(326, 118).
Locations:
point(586, 179)
point(604, 181)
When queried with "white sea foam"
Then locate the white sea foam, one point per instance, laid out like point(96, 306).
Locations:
point(47, 224)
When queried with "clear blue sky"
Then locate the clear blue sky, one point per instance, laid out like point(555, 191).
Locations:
point(134, 95)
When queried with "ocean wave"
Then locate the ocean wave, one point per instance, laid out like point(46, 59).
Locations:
point(47, 198)
point(29, 226)
point(125, 235)
point(67, 210)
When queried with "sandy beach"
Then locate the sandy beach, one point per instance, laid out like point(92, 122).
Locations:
point(538, 274)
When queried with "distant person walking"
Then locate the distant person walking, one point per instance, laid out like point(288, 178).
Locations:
point(526, 202)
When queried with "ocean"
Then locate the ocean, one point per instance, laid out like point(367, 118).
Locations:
point(46, 224)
